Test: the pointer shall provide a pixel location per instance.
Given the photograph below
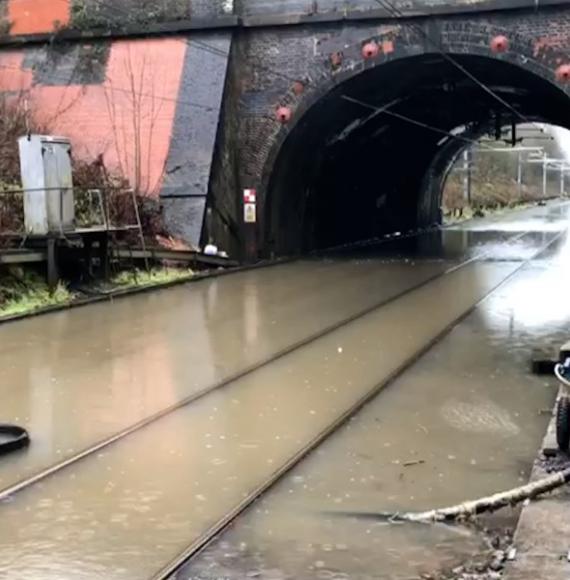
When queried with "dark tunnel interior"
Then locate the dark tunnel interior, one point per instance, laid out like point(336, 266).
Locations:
point(347, 172)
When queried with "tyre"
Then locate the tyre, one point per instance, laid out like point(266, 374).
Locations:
point(563, 423)
point(12, 438)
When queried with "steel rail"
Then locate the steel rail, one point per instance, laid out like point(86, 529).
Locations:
point(127, 431)
point(167, 572)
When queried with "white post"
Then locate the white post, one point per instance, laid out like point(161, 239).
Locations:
point(519, 173)
point(544, 176)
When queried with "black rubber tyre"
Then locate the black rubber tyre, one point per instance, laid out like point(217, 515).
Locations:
point(563, 423)
point(18, 438)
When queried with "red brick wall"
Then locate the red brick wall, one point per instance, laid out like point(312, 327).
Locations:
point(37, 16)
point(128, 118)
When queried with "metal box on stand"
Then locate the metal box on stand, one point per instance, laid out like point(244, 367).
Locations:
point(45, 164)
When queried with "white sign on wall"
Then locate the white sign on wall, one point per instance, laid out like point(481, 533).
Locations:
point(249, 196)
point(249, 213)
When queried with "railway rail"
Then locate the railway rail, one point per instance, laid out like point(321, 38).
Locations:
point(116, 437)
point(169, 571)
point(16, 496)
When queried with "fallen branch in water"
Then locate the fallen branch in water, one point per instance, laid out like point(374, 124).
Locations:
point(469, 509)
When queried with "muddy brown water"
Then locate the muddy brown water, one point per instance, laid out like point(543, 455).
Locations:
point(127, 511)
point(79, 376)
point(469, 411)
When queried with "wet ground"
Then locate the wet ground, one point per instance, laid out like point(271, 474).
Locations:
point(464, 422)
point(459, 423)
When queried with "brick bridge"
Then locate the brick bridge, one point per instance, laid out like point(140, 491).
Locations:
point(181, 97)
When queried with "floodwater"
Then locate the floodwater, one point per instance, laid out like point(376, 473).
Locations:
point(464, 422)
point(125, 512)
point(76, 377)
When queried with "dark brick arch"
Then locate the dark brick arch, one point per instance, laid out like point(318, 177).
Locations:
point(521, 53)
point(399, 42)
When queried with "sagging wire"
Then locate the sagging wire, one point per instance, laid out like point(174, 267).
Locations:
point(396, 13)
point(127, 91)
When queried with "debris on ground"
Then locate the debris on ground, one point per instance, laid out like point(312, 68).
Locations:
point(488, 565)
point(552, 460)
point(171, 243)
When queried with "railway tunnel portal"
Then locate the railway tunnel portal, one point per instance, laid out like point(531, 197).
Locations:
point(370, 156)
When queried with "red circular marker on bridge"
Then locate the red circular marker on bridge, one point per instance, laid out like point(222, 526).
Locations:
point(500, 44)
point(370, 50)
point(283, 114)
point(563, 73)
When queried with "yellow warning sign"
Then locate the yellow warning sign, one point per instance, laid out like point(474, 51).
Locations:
point(249, 213)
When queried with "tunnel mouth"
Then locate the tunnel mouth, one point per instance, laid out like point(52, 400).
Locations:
point(370, 156)
point(523, 164)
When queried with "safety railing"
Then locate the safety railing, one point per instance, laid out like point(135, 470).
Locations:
point(93, 208)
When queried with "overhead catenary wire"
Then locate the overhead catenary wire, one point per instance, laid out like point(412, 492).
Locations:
point(394, 11)
point(209, 107)
point(386, 111)
point(391, 9)
point(379, 109)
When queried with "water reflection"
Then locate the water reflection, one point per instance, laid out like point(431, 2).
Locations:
point(468, 410)
point(541, 300)
point(457, 244)
point(95, 370)
point(199, 463)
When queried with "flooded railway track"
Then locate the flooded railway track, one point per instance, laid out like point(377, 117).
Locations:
point(100, 498)
point(183, 560)
point(133, 361)
point(10, 490)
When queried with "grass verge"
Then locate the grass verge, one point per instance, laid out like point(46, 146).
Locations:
point(154, 277)
point(25, 292)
